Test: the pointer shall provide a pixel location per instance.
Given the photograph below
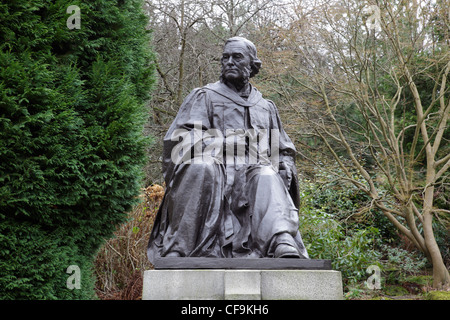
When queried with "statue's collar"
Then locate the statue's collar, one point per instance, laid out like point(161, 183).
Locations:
point(222, 89)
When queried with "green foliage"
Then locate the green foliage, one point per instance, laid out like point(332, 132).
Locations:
point(420, 280)
point(72, 109)
point(399, 263)
point(337, 223)
point(345, 203)
point(395, 291)
point(351, 251)
point(33, 264)
point(438, 295)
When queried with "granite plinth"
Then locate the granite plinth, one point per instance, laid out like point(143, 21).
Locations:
point(236, 280)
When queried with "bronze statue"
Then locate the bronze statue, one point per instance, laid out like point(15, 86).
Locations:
point(228, 164)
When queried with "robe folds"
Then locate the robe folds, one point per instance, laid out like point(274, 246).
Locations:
point(231, 182)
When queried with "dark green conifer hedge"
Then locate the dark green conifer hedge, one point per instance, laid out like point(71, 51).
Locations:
point(72, 148)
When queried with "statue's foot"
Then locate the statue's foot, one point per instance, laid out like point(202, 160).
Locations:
point(173, 254)
point(286, 251)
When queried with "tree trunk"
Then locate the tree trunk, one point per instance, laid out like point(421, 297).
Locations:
point(441, 278)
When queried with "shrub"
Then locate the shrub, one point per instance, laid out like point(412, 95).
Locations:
point(337, 224)
point(399, 263)
point(346, 203)
point(72, 109)
point(332, 229)
point(351, 253)
point(33, 264)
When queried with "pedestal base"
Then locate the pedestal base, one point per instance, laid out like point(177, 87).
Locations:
point(226, 284)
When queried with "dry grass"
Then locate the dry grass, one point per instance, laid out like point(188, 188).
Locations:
point(121, 261)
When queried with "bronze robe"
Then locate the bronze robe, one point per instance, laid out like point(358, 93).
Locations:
point(226, 208)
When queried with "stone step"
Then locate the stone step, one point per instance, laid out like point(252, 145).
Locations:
point(225, 284)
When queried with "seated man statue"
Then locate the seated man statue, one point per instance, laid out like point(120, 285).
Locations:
point(228, 164)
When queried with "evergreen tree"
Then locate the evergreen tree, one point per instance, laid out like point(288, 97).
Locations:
point(72, 148)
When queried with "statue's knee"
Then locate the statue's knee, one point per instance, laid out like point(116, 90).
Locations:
point(267, 171)
point(267, 174)
point(202, 168)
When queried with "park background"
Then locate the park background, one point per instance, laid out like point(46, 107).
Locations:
point(86, 96)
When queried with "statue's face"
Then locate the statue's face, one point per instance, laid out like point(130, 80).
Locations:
point(236, 62)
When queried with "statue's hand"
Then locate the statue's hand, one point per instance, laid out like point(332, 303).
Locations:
point(286, 174)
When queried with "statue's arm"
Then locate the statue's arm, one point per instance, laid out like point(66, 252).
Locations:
point(194, 114)
point(287, 154)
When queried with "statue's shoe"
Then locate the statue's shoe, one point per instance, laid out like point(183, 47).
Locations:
point(286, 251)
point(173, 254)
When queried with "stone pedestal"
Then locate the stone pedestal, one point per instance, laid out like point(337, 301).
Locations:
point(266, 283)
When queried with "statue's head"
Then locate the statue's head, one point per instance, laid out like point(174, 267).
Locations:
point(239, 60)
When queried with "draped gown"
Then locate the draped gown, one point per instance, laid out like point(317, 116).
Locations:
point(225, 202)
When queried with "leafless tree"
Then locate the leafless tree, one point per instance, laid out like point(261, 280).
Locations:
point(355, 48)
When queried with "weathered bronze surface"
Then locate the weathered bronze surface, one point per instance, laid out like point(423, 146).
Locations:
point(229, 168)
